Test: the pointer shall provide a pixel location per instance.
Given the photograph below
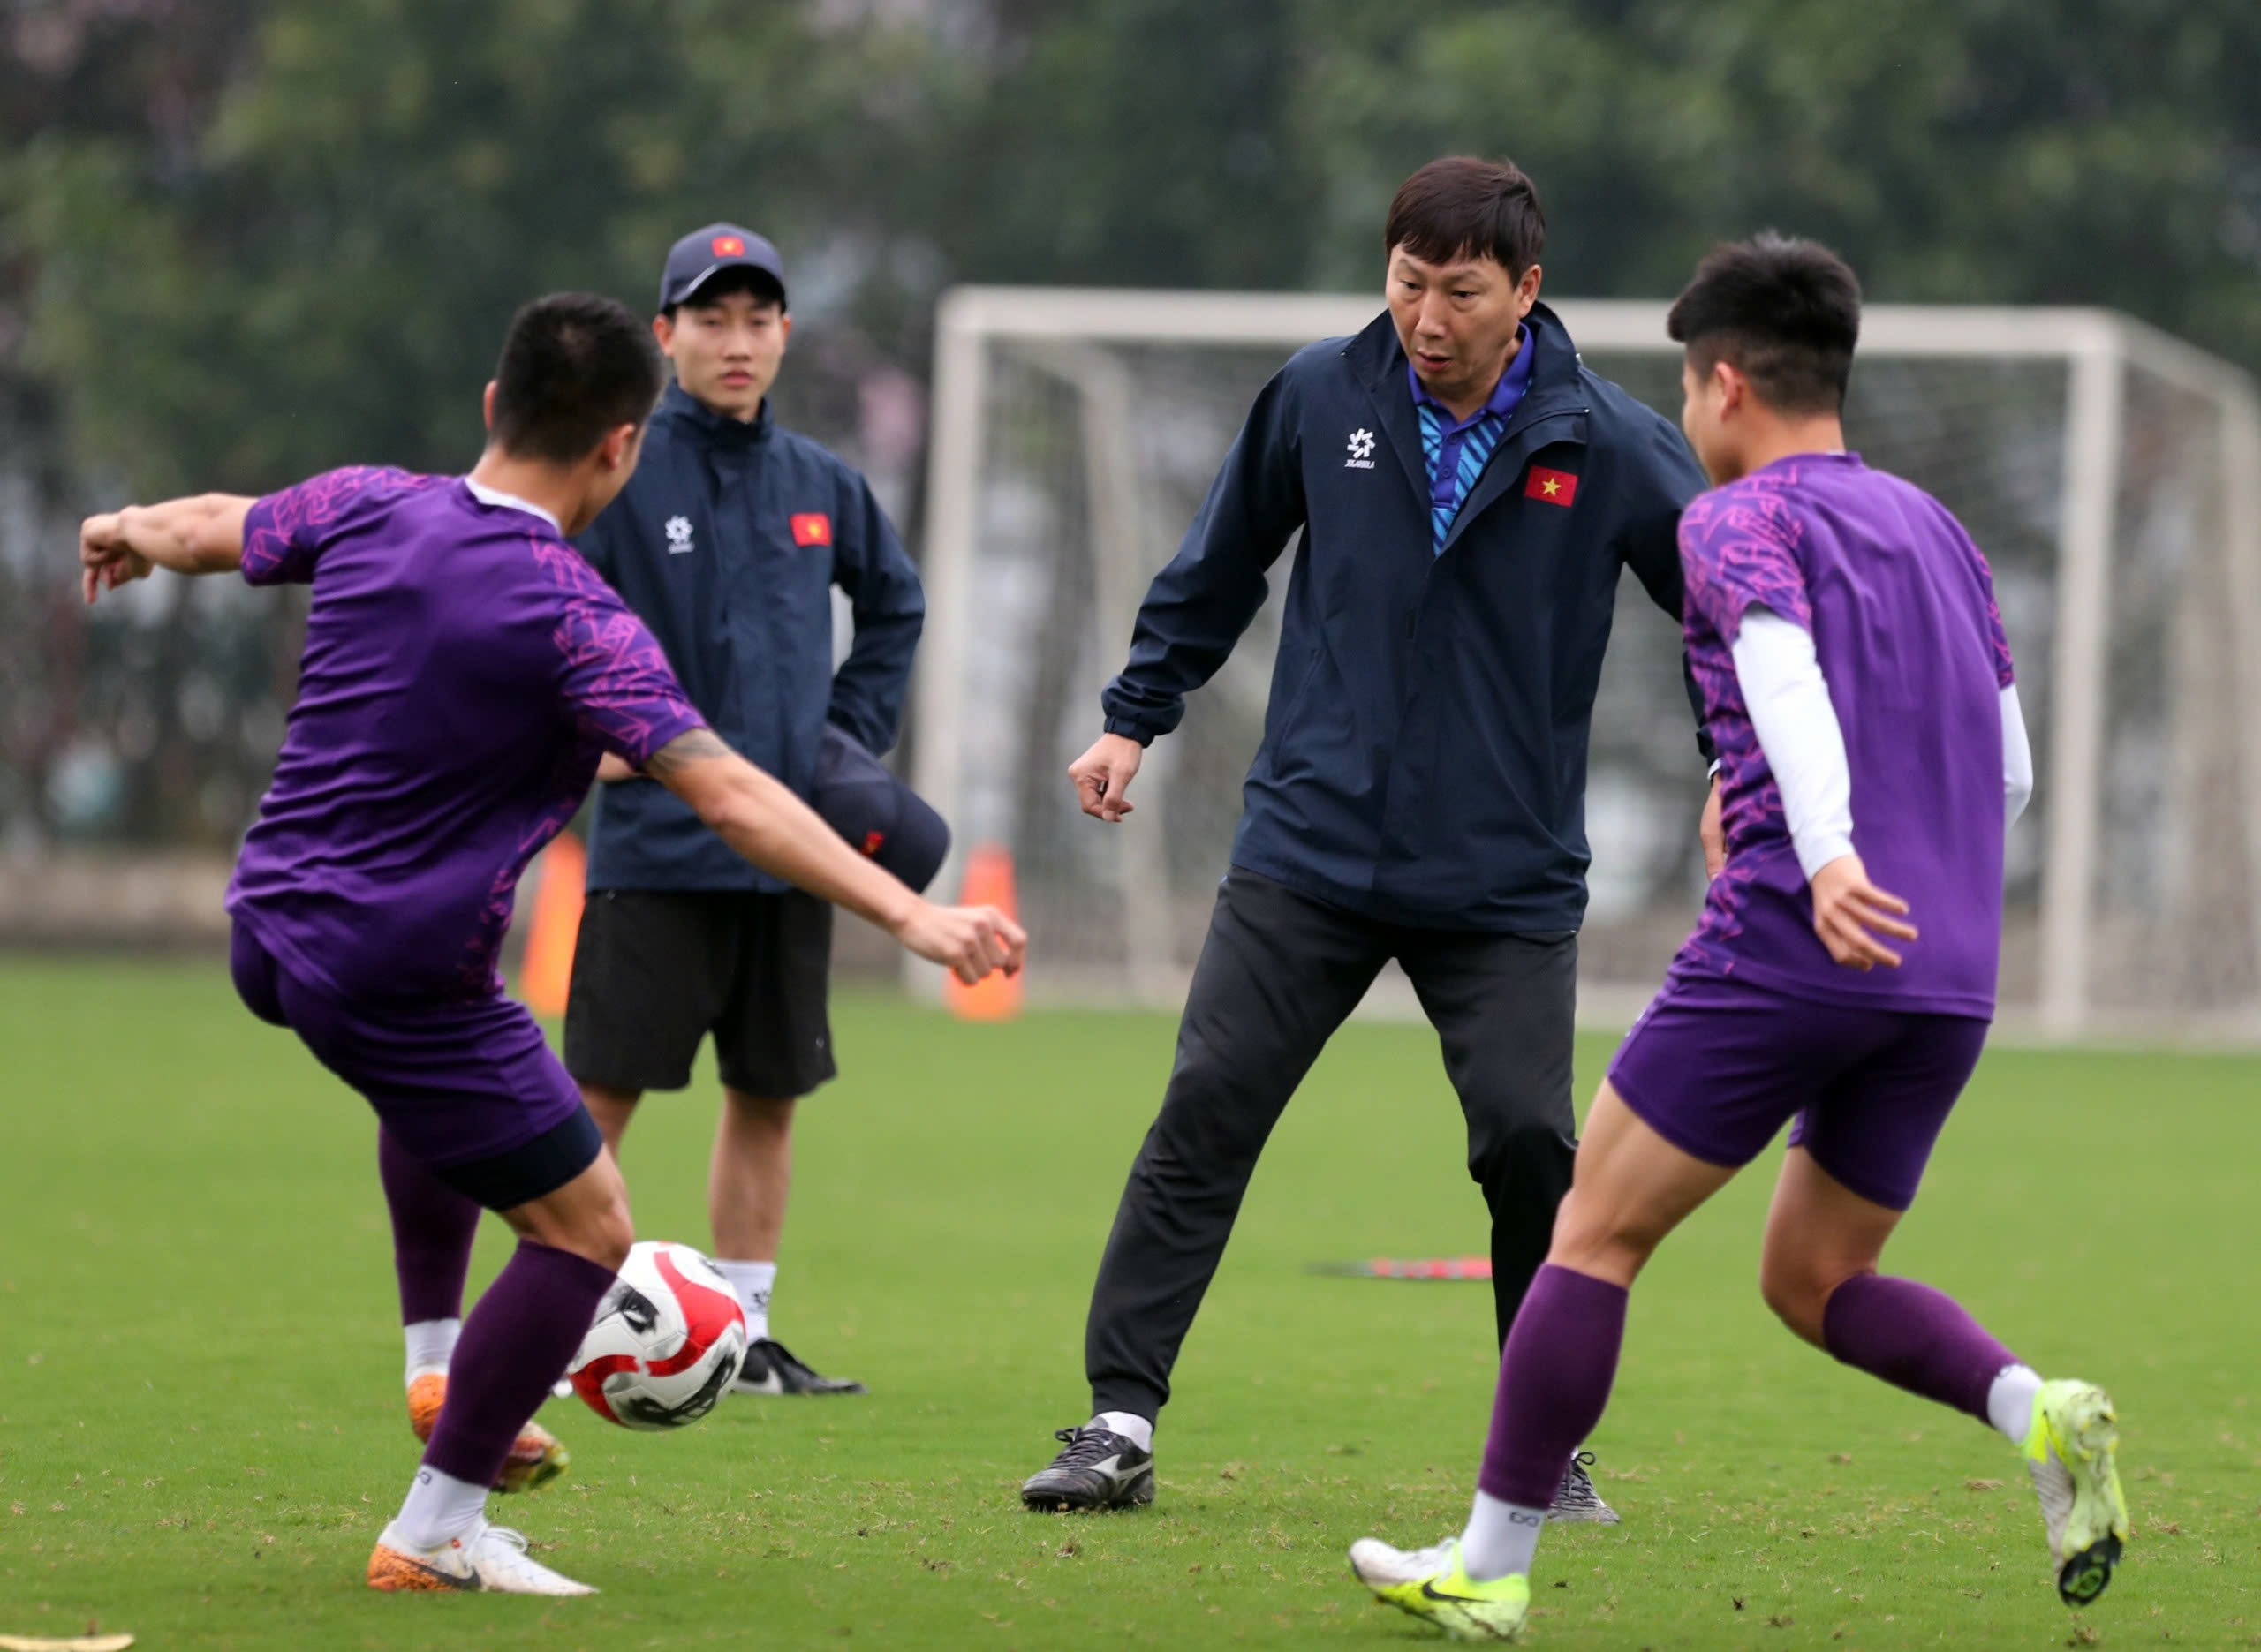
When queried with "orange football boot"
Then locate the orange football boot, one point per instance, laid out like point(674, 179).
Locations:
point(537, 1456)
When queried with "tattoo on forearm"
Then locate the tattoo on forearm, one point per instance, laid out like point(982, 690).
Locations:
point(693, 746)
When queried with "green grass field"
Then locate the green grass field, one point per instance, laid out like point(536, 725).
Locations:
point(201, 1432)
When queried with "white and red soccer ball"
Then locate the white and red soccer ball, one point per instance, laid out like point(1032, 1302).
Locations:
point(666, 1341)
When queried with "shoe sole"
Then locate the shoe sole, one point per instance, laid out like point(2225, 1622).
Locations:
point(1137, 1496)
point(1455, 1620)
point(2086, 1437)
point(1604, 1516)
point(396, 1573)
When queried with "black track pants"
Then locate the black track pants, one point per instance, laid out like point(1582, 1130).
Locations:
point(1279, 973)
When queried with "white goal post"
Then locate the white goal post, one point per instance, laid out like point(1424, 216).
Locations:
point(2112, 473)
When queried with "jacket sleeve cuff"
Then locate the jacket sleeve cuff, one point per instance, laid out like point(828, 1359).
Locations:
point(1143, 733)
point(863, 726)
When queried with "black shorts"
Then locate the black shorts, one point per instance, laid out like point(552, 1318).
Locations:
point(655, 971)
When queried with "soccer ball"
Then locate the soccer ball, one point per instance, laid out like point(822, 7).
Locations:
point(668, 1339)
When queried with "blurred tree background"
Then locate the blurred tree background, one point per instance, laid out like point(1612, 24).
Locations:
point(240, 242)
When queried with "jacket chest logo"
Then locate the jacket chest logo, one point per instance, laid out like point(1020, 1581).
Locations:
point(811, 527)
point(1362, 452)
point(679, 533)
point(1556, 487)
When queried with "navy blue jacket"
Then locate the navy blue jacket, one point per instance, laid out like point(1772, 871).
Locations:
point(1423, 757)
point(727, 541)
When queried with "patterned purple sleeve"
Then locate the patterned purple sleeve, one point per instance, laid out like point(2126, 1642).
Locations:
point(1738, 550)
point(2005, 667)
point(616, 680)
point(284, 533)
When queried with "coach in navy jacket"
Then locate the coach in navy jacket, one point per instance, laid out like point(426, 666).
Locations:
point(1466, 512)
point(1425, 749)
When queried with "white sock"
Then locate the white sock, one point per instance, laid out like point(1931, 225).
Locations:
point(1500, 1539)
point(1137, 1429)
point(2009, 1402)
point(439, 1506)
point(431, 1344)
point(752, 1281)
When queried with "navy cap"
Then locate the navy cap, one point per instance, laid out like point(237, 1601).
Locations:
point(876, 812)
point(717, 247)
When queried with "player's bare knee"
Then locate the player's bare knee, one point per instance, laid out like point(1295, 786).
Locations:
point(1796, 1289)
point(614, 1238)
point(602, 1232)
point(589, 1216)
point(1789, 1296)
point(1599, 1239)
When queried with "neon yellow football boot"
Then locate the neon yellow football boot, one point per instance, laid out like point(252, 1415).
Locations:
point(1431, 1584)
point(2072, 1452)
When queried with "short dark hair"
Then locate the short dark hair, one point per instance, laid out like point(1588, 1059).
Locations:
point(1461, 206)
point(574, 365)
point(1784, 312)
point(732, 278)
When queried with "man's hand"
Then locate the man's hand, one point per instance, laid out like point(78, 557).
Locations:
point(105, 560)
point(1103, 774)
point(1712, 835)
point(970, 941)
point(201, 535)
point(756, 815)
point(1849, 912)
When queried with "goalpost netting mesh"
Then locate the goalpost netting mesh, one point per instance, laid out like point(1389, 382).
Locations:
point(1093, 453)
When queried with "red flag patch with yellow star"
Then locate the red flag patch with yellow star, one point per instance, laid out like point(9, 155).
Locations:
point(1556, 487)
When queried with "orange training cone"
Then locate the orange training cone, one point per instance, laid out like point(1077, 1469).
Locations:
point(553, 926)
point(989, 882)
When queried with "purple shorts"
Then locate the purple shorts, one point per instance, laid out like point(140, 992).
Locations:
point(1716, 1066)
point(455, 1084)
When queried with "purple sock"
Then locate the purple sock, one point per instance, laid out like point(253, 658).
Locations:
point(1915, 1337)
point(1554, 1380)
point(431, 1229)
point(517, 1342)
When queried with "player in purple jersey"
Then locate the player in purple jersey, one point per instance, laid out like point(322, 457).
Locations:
point(1859, 686)
point(463, 671)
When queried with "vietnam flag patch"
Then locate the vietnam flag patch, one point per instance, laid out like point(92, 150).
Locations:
point(1556, 487)
point(811, 527)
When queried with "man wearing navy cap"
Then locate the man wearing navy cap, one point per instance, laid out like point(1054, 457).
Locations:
point(728, 543)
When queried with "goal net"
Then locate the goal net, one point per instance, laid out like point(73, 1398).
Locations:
point(2112, 474)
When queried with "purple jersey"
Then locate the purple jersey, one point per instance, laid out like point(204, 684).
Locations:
point(463, 669)
point(1900, 607)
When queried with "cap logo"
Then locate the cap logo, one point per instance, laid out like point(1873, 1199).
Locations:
point(730, 246)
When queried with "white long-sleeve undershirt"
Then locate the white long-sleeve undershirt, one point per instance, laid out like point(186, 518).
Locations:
point(1796, 721)
point(2017, 760)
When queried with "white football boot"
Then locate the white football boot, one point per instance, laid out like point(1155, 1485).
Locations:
point(492, 1557)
